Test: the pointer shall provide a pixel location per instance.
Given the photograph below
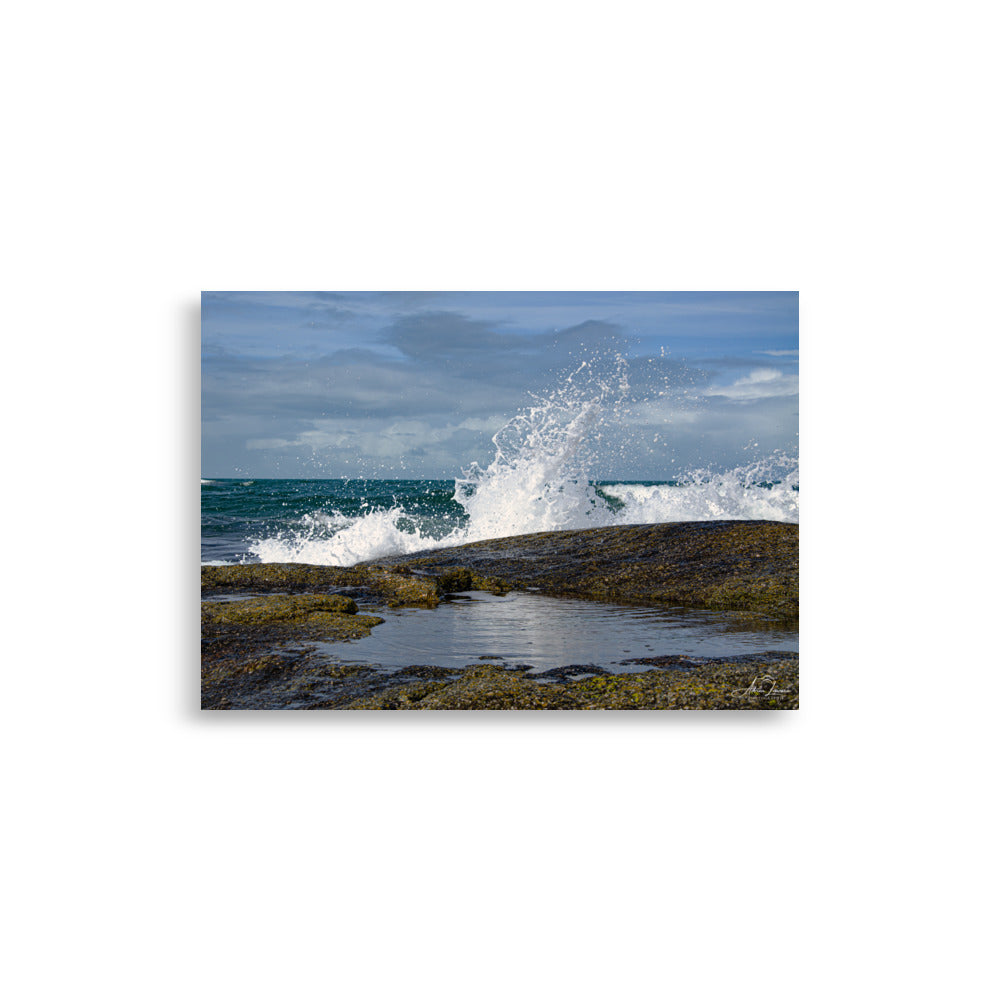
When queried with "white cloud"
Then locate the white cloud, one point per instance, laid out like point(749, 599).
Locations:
point(761, 383)
point(263, 444)
point(658, 413)
point(376, 438)
point(490, 425)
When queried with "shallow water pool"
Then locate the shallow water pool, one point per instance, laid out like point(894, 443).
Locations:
point(552, 632)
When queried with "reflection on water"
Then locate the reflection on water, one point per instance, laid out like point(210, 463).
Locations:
point(550, 632)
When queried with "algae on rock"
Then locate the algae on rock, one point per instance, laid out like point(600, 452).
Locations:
point(316, 616)
point(746, 566)
point(395, 588)
point(491, 687)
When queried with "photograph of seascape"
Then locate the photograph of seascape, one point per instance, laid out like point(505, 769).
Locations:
point(499, 500)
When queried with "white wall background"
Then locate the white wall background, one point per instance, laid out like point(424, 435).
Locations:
point(846, 152)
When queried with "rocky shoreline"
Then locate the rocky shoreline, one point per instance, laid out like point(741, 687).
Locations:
point(258, 651)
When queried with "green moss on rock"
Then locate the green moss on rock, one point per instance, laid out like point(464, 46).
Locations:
point(747, 566)
point(315, 616)
point(454, 581)
point(482, 686)
point(490, 687)
point(269, 610)
point(394, 588)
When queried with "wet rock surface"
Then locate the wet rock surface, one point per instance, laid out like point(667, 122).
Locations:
point(256, 674)
point(760, 683)
point(249, 675)
point(252, 651)
point(394, 588)
point(749, 566)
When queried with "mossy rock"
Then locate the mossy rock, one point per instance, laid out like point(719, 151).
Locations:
point(269, 610)
point(722, 687)
point(718, 685)
point(315, 616)
point(454, 581)
point(482, 686)
point(247, 673)
point(262, 577)
point(746, 566)
point(394, 588)
point(427, 672)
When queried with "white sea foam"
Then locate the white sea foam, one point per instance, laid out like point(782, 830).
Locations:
point(354, 539)
point(539, 480)
point(765, 490)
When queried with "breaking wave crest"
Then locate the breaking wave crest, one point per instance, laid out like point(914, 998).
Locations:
point(539, 480)
point(344, 541)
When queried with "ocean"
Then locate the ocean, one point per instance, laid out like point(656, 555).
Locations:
point(341, 522)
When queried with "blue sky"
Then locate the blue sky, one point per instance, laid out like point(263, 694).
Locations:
point(414, 384)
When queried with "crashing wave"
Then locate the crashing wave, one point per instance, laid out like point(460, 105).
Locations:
point(540, 480)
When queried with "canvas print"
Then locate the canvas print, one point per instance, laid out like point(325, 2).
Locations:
point(453, 501)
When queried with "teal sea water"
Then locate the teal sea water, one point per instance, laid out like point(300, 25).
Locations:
point(248, 520)
point(346, 521)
